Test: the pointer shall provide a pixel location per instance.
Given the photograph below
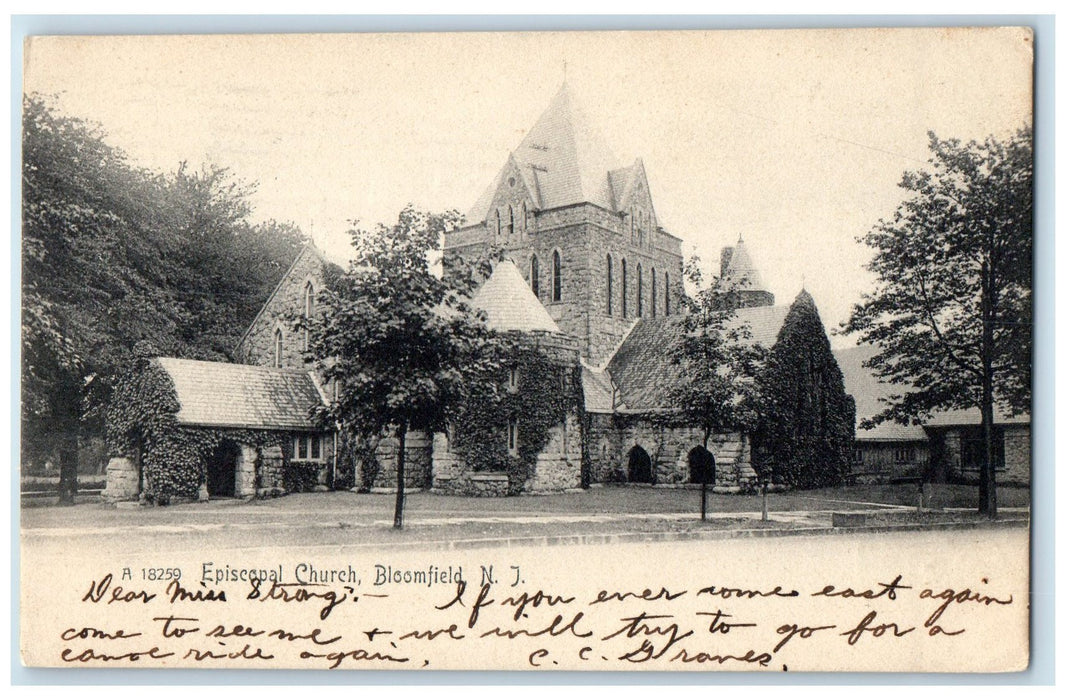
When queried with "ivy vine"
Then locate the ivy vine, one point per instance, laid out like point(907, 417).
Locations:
point(546, 392)
point(142, 425)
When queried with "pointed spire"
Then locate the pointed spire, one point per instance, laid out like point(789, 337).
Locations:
point(564, 156)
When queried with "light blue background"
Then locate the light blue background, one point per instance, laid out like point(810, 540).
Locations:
point(1041, 670)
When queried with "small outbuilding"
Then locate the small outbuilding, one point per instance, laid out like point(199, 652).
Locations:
point(184, 429)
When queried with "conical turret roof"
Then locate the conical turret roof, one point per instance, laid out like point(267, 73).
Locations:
point(509, 304)
point(741, 271)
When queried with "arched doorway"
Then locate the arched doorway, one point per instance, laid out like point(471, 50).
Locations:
point(700, 466)
point(639, 466)
point(222, 469)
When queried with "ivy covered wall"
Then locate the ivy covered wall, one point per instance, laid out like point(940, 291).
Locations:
point(529, 429)
point(807, 420)
point(142, 427)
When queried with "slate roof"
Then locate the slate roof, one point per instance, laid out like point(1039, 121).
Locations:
point(563, 161)
point(221, 394)
point(741, 270)
point(643, 371)
point(598, 389)
point(509, 303)
point(868, 391)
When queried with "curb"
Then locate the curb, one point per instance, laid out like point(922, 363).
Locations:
point(712, 535)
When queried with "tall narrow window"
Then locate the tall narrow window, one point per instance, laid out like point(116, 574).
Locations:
point(278, 347)
point(512, 379)
point(610, 282)
point(510, 215)
point(640, 292)
point(666, 291)
point(512, 436)
point(557, 277)
point(499, 224)
point(653, 295)
point(309, 311)
point(525, 217)
point(534, 276)
point(625, 290)
point(316, 447)
point(632, 225)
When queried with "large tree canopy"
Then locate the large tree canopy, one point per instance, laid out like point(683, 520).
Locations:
point(404, 344)
point(116, 257)
point(951, 314)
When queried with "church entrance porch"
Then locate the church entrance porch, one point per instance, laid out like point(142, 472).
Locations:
point(640, 471)
point(701, 466)
point(221, 469)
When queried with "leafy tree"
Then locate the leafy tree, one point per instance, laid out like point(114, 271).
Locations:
point(952, 311)
point(406, 347)
point(116, 257)
point(718, 364)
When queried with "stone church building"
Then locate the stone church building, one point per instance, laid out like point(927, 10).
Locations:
point(590, 277)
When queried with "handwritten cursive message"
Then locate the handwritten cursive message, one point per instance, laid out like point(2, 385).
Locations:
point(522, 610)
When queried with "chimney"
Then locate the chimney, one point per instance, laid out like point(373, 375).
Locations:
point(727, 255)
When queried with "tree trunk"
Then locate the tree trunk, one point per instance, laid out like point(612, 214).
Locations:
point(401, 436)
point(986, 493)
point(68, 466)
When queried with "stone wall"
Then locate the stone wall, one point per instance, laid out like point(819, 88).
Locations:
point(1017, 459)
point(948, 447)
point(612, 438)
point(123, 480)
point(584, 234)
point(418, 462)
point(257, 346)
point(271, 472)
point(558, 466)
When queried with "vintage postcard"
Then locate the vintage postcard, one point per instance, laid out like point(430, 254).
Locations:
point(677, 351)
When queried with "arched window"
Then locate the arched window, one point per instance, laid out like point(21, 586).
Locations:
point(625, 289)
point(499, 224)
point(278, 347)
point(666, 291)
point(534, 276)
point(653, 295)
point(610, 281)
point(557, 277)
point(640, 292)
point(525, 217)
point(632, 224)
point(510, 215)
point(309, 311)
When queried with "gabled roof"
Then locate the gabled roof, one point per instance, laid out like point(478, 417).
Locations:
point(220, 394)
point(563, 160)
point(869, 390)
point(308, 249)
point(643, 371)
point(741, 271)
point(509, 304)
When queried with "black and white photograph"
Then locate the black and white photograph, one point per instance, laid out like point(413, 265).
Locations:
point(571, 351)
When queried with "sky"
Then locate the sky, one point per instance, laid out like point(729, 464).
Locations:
point(796, 140)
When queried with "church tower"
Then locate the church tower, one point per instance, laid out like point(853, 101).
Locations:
point(581, 228)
